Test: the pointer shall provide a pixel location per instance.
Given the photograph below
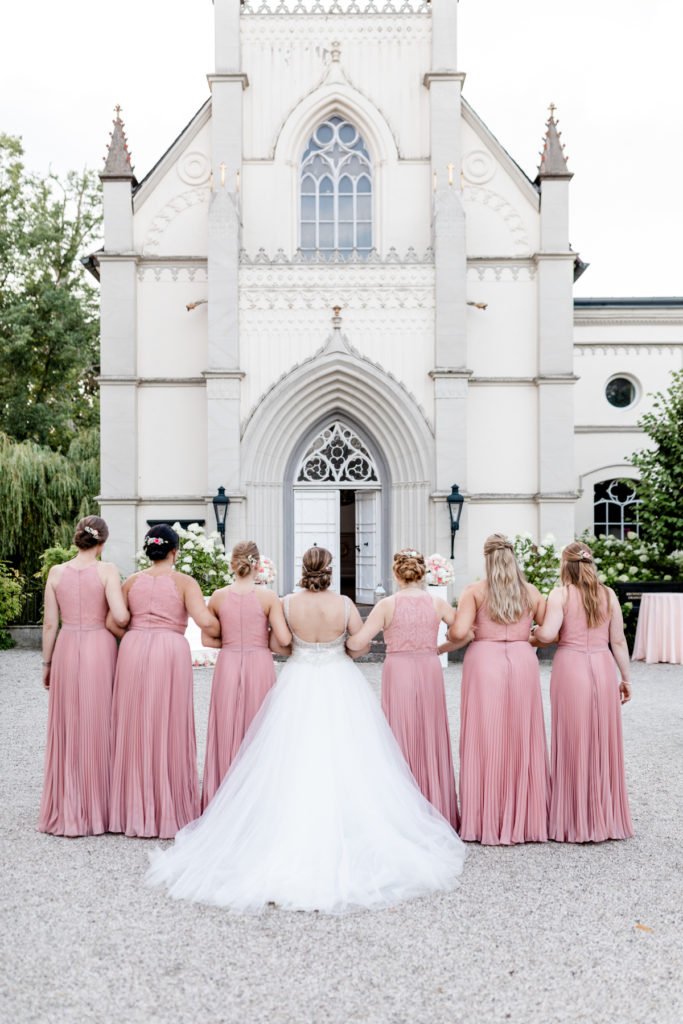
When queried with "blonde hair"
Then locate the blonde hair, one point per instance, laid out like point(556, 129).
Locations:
point(578, 568)
point(409, 565)
point(316, 569)
point(243, 558)
point(508, 596)
point(89, 532)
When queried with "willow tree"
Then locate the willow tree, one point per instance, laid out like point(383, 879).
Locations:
point(42, 493)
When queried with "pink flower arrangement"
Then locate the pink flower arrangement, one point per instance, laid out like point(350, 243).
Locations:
point(266, 572)
point(439, 571)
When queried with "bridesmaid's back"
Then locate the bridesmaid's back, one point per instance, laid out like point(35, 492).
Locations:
point(155, 603)
point(485, 628)
point(414, 625)
point(243, 622)
point(81, 597)
point(575, 631)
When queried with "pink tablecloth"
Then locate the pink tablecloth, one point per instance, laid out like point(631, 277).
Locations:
point(659, 634)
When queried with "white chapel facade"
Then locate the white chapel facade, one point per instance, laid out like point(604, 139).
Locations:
point(336, 295)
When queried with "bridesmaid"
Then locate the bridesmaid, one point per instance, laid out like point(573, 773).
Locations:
point(504, 777)
point(78, 670)
point(244, 671)
point(413, 697)
point(589, 799)
point(155, 786)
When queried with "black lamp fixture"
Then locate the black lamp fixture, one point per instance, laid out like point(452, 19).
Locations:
point(220, 506)
point(455, 502)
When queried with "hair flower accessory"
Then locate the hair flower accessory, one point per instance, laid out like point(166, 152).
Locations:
point(153, 540)
point(93, 533)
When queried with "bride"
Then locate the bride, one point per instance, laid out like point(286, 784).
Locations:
point(319, 810)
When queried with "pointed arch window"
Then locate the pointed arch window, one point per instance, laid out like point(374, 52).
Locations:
point(337, 455)
point(336, 191)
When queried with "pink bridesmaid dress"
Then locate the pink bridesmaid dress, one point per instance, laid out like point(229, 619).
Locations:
point(504, 776)
point(414, 700)
point(155, 785)
point(243, 676)
point(589, 798)
point(75, 798)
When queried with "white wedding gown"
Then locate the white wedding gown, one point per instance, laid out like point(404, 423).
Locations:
point(319, 810)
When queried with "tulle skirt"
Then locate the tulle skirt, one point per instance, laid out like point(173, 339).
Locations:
point(318, 811)
point(75, 799)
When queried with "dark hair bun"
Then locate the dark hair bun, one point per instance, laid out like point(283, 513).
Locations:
point(90, 532)
point(316, 569)
point(409, 565)
point(159, 541)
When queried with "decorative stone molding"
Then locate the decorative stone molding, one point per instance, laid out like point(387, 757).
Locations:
point(172, 272)
point(326, 7)
point(286, 33)
point(505, 210)
point(512, 498)
point(168, 214)
point(608, 428)
point(193, 168)
point(336, 257)
point(626, 348)
point(478, 166)
point(503, 271)
point(494, 382)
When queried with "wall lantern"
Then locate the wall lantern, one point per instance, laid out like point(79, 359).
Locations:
point(455, 502)
point(220, 507)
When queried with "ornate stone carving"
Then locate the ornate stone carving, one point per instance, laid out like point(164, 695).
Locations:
point(172, 272)
point(335, 7)
point(193, 168)
point(337, 455)
point(507, 213)
point(170, 211)
point(337, 257)
point(507, 271)
point(478, 166)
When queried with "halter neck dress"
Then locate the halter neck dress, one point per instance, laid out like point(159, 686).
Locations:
point(589, 796)
point(414, 700)
point(155, 785)
point(243, 675)
point(75, 799)
point(504, 773)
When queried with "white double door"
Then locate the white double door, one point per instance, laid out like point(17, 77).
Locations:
point(317, 523)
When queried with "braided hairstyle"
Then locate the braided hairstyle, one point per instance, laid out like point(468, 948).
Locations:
point(508, 597)
point(578, 568)
point(409, 566)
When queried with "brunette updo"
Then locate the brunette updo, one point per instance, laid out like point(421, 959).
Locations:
point(243, 558)
point(409, 566)
point(316, 569)
point(159, 542)
point(90, 532)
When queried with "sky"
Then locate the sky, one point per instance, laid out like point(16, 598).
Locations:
point(610, 66)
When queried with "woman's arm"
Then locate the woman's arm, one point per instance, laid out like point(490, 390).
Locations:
point(362, 633)
point(197, 609)
point(210, 639)
point(118, 606)
point(464, 618)
point(279, 630)
point(110, 622)
point(617, 642)
point(546, 633)
point(356, 628)
point(538, 604)
point(50, 626)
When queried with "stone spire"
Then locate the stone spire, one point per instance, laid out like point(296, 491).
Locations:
point(117, 163)
point(553, 159)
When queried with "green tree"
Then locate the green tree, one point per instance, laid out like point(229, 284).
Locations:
point(660, 488)
point(48, 310)
point(42, 493)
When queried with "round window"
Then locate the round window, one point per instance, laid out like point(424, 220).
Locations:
point(620, 392)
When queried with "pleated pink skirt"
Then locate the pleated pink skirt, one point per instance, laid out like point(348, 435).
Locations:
point(155, 784)
point(241, 681)
point(75, 799)
point(589, 797)
point(504, 773)
point(414, 702)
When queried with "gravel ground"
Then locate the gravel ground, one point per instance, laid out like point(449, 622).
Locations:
point(543, 933)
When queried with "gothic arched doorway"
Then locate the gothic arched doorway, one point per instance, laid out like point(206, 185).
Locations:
point(337, 485)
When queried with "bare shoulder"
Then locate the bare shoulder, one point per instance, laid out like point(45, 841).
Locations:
point(54, 575)
point(533, 592)
point(476, 590)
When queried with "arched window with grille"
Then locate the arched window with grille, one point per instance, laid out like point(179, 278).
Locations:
point(615, 508)
point(336, 191)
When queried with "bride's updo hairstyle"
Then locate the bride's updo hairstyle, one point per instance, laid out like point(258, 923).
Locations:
point(316, 569)
point(409, 566)
point(159, 542)
point(508, 597)
point(578, 568)
point(243, 558)
point(90, 532)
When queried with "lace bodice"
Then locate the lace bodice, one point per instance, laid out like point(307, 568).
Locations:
point(305, 650)
point(414, 627)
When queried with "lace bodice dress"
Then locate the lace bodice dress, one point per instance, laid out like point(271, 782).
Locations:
point(318, 810)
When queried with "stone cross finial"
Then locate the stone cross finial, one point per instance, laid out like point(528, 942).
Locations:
point(551, 110)
point(117, 162)
point(335, 51)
